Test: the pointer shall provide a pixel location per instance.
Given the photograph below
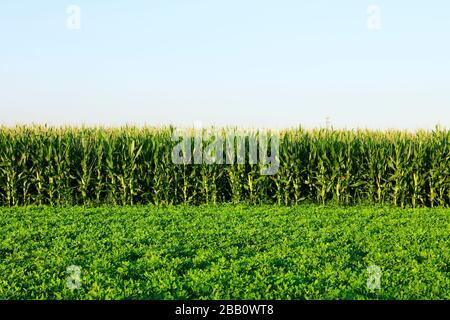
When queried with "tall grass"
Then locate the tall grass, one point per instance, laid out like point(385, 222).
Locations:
point(130, 165)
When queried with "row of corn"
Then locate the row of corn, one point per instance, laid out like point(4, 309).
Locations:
point(63, 166)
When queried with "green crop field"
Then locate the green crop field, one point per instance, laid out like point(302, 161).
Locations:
point(131, 165)
point(224, 252)
point(106, 213)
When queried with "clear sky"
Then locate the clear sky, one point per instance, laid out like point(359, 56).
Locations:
point(238, 62)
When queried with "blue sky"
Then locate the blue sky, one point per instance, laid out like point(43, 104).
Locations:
point(252, 63)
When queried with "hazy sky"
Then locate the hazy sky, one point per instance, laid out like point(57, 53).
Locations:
point(244, 62)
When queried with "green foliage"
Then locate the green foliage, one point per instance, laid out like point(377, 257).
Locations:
point(130, 165)
point(224, 252)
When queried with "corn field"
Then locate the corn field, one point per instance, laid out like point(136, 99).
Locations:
point(67, 166)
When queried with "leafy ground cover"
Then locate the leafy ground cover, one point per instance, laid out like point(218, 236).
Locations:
point(224, 252)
